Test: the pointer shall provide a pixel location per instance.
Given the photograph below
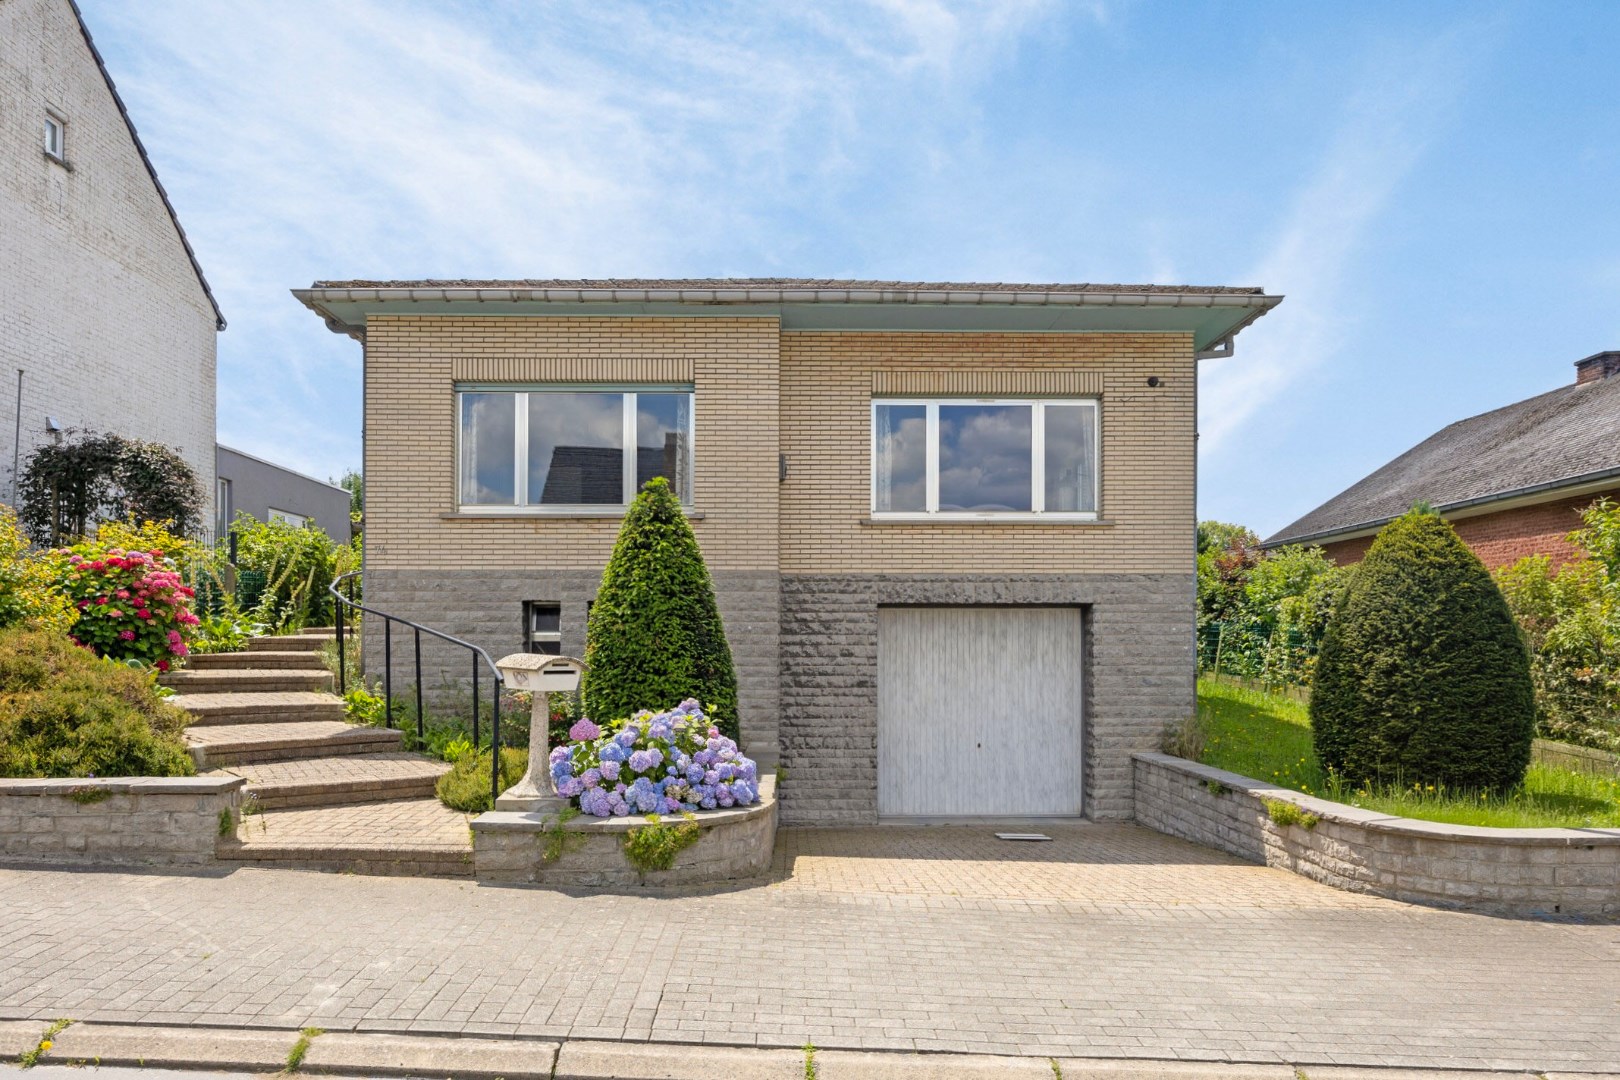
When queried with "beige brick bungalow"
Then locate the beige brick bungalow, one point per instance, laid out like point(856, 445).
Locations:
point(951, 526)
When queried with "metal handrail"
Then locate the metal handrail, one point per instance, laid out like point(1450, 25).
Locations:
point(417, 630)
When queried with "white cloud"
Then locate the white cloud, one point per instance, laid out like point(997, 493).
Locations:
point(1387, 124)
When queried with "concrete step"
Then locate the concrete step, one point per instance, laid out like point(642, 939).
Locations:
point(218, 745)
point(259, 660)
point(404, 837)
point(259, 707)
point(227, 680)
point(287, 643)
point(336, 780)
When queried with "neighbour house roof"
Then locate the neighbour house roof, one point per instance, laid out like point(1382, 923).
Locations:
point(1560, 443)
point(140, 148)
point(1212, 314)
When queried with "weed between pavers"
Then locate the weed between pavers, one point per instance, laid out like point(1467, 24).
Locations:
point(295, 1056)
point(1057, 1070)
point(227, 824)
point(809, 1061)
point(30, 1058)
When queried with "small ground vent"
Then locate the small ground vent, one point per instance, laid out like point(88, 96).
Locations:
point(1022, 836)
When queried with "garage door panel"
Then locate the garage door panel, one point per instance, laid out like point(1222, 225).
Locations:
point(979, 711)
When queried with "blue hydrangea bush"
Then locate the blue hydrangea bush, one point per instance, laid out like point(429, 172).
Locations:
point(668, 762)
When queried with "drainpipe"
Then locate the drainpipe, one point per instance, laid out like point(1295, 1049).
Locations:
point(16, 441)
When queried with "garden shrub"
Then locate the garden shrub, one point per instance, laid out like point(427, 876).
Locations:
point(1422, 675)
point(67, 488)
point(654, 636)
point(466, 786)
point(670, 762)
point(131, 602)
point(66, 713)
point(283, 571)
point(28, 596)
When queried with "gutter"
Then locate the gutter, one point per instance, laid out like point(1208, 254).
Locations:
point(316, 299)
point(1524, 496)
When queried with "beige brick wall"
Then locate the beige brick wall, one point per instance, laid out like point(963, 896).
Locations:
point(411, 431)
point(102, 308)
point(1147, 458)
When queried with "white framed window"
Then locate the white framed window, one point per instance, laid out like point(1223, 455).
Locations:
point(985, 459)
point(288, 516)
point(562, 450)
point(56, 136)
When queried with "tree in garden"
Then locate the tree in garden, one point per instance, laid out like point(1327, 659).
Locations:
point(1423, 677)
point(655, 636)
point(68, 488)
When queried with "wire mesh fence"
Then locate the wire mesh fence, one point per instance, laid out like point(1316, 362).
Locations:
point(1256, 651)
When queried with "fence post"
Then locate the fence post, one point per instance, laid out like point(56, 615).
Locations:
point(388, 671)
point(337, 624)
point(1220, 640)
point(417, 633)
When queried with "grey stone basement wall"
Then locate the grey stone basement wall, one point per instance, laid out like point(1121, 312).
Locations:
point(1138, 677)
point(486, 608)
point(144, 821)
point(1504, 871)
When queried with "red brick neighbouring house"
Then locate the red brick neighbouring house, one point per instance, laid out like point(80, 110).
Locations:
point(1513, 481)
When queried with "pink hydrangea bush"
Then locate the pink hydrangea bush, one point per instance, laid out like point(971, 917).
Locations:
point(669, 762)
point(131, 604)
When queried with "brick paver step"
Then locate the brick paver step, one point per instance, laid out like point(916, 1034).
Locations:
point(239, 744)
point(339, 779)
point(407, 837)
point(287, 643)
point(208, 682)
point(260, 660)
point(258, 707)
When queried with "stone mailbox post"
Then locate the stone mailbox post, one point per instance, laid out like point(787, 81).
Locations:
point(541, 675)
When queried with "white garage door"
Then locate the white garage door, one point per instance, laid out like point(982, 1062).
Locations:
point(978, 711)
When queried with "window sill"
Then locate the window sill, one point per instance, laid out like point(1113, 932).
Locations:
point(548, 515)
point(62, 161)
point(933, 519)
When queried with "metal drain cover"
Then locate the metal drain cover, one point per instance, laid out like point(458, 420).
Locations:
point(1022, 836)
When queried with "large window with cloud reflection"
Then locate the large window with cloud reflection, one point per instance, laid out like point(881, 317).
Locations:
point(571, 449)
point(969, 458)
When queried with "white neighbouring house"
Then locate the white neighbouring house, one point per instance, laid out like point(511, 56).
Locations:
point(103, 307)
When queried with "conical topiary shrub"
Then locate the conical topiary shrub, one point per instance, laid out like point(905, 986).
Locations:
point(654, 637)
point(1422, 677)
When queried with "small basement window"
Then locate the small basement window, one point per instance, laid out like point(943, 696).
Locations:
point(542, 628)
point(56, 137)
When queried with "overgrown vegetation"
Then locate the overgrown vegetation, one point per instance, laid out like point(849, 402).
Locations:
point(1570, 616)
point(283, 571)
point(30, 1058)
point(28, 596)
point(1261, 615)
point(655, 845)
point(1422, 675)
point(68, 488)
point(1284, 813)
point(654, 637)
point(466, 786)
point(66, 713)
point(1268, 737)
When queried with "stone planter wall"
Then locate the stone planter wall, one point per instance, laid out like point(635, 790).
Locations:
point(140, 821)
point(735, 844)
point(1506, 871)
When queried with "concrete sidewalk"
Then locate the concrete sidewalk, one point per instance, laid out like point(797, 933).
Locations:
point(109, 1051)
point(1109, 943)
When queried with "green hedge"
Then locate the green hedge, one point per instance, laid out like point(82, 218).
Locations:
point(66, 713)
point(1422, 675)
point(654, 637)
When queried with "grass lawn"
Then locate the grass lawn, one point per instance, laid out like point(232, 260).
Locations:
point(1268, 737)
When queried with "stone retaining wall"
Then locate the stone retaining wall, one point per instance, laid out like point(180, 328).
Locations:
point(735, 844)
point(141, 821)
point(1507, 871)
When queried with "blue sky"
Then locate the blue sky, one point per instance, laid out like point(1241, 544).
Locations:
point(1434, 186)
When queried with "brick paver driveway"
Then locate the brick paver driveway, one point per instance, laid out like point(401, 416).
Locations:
point(1111, 941)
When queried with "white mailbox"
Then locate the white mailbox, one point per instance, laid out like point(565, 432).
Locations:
point(540, 673)
point(543, 676)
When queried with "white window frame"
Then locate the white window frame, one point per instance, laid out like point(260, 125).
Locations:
point(55, 136)
point(520, 448)
point(287, 517)
point(1037, 462)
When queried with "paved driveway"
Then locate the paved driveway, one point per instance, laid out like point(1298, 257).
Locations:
point(1111, 941)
